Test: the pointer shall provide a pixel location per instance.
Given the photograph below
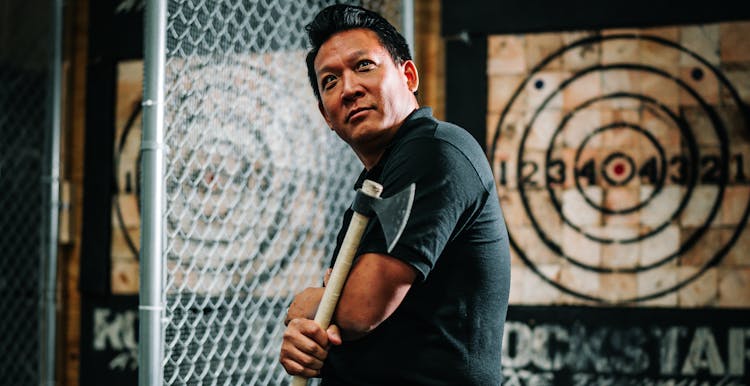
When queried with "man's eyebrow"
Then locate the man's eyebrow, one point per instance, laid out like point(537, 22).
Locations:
point(357, 54)
point(352, 56)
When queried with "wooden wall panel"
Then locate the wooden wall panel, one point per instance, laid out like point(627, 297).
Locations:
point(72, 154)
point(430, 55)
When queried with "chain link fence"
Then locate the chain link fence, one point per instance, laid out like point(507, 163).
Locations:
point(255, 185)
point(21, 136)
point(25, 109)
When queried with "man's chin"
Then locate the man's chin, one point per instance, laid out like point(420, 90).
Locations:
point(369, 138)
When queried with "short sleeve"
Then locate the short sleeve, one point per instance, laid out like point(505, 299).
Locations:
point(448, 188)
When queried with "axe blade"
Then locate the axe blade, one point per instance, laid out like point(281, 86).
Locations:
point(393, 213)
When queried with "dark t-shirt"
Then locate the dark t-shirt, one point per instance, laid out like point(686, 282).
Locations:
point(448, 329)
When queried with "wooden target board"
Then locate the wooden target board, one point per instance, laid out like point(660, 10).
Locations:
point(622, 158)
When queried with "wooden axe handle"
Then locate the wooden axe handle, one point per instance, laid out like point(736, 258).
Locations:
point(341, 267)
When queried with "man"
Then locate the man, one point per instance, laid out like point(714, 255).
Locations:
point(430, 312)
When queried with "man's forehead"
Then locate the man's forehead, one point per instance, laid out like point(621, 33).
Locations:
point(350, 44)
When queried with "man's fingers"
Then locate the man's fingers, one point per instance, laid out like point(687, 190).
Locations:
point(311, 329)
point(307, 337)
point(297, 362)
point(295, 368)
point(327, 277)
point(303, 348)
point(334, 335)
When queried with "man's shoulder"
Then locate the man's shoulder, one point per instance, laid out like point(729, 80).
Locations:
point(430, 128)
point(455, 134)
point(442, 146)
point(460, 139)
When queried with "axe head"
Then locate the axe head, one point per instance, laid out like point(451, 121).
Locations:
point(392, 212)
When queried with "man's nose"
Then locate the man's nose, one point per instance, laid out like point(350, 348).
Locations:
point(352, 88)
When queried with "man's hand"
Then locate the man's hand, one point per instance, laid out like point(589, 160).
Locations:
point(305, 347)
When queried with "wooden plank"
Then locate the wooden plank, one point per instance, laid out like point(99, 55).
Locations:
point(73, 160)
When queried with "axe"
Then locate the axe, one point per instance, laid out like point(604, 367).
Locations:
point(393, 212)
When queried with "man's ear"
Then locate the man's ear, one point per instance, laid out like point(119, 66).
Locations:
point(324, 114)
point(411, 74)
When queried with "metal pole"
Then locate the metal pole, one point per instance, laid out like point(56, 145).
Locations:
point(52, 179)
point(407, 23)
point(151, 308)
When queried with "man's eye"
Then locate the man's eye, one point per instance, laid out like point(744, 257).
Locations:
point(327, 81)
point(364, 64)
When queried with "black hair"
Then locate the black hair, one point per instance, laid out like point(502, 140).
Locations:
point(341, 17)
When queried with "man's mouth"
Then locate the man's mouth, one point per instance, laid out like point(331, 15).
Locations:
point(355, 112)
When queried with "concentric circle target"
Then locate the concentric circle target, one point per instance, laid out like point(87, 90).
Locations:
point(617, 176)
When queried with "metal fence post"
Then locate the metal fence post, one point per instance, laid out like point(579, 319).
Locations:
point(407, 24)
point(51, 184)
point(151, 307)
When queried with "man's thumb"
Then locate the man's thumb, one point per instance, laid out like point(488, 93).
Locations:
point(334, 335)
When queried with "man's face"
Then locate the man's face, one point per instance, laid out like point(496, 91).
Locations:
point(364, 94)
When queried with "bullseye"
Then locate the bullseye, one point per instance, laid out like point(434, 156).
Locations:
point(621, 162)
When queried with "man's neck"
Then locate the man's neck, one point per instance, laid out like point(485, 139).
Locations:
point(371, 157)
point(370, 152)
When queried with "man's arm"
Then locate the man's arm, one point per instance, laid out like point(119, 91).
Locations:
point(376, 286)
